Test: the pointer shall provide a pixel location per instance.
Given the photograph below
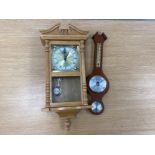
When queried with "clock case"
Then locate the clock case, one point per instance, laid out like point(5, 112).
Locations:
point(62, 34)
point(97, 38)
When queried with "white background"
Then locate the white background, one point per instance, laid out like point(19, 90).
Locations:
point(79, 9)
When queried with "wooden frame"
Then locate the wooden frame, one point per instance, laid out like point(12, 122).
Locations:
point(65, 35)
point(64, 74)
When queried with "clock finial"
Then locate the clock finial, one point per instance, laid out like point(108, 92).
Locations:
point(67, 123)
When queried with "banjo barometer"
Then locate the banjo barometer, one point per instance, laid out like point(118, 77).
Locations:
point(97, 82)
point(66, 90)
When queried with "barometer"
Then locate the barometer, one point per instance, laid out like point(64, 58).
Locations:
point(97, 82)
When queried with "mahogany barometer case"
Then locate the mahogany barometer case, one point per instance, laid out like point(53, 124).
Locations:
point(97, 82)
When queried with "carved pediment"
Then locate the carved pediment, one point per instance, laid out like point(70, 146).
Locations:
point(63, 32)
point(63, 29)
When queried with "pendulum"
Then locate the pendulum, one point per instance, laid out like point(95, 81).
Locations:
point(57, 89)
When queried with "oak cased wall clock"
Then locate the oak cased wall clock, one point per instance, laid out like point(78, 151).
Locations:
point(66, 90)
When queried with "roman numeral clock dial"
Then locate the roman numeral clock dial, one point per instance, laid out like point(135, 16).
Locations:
point(97, 82)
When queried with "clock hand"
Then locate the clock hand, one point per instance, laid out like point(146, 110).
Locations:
point(65, 54)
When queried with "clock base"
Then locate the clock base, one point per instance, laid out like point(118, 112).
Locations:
point(67, 113)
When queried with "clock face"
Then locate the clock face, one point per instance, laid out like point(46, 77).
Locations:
point(97, 84)
point(65, 58)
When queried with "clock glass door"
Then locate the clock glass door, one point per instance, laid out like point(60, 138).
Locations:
point(66, 89)
point(65, 73)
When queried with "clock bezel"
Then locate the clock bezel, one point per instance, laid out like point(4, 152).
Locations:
point(68, 45)
point(97, 96)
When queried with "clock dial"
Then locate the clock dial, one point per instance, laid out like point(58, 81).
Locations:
point(65, 58)
point(97, 107)
point(97, 84)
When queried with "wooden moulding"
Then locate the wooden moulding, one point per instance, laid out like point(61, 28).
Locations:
point(47, 74)
point(65, 104)
point(83, 75)
point(65, 74)
point(63, 32)
point(71, 37)
point(69, 107)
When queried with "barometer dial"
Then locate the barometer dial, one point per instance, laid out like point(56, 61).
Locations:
point(97, 84)
point(97, 107)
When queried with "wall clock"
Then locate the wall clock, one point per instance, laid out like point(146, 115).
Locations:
point(97, 82)
point(66, 90)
